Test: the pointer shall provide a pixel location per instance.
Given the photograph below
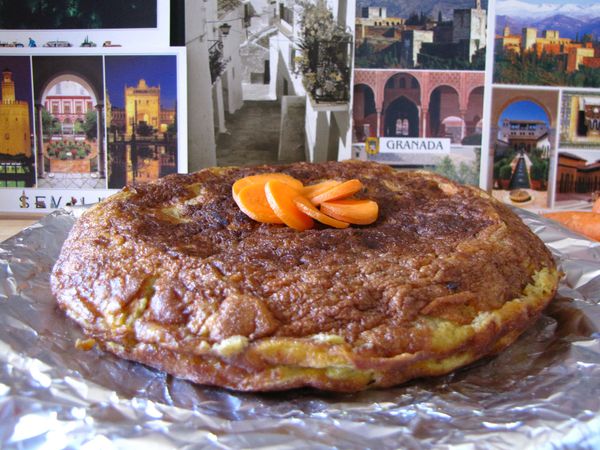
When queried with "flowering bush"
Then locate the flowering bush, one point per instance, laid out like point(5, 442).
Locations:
point(69, 150)
point(325, 47)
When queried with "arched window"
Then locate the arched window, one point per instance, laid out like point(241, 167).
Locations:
point(405, 127)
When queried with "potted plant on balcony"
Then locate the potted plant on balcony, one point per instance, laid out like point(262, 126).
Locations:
point(325, 57)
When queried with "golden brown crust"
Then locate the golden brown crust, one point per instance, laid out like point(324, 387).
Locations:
point(174, 275)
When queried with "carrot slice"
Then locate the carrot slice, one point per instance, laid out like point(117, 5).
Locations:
point(342, 190)
point(596, 206)
point(281, 198)
point(359, 212)
point(252, 200)
point(304, 205)
point(262, 178)
point(583, 222)
point(316, 189)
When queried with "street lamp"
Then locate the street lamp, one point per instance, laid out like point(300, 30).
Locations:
point(224, 28)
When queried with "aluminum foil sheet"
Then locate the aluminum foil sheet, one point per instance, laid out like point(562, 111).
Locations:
point(542, 392)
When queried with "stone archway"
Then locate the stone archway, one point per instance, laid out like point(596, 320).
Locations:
point(473, 115)
point(401, 84)
point(401, 102)
point(523, 128)
point(444, 103)
point(364, 113)
point(390, 84)
point(401, 118)
point(53, 87)
point(547, 100)
point(453, 128)
point(87, 71)
point(55, 81)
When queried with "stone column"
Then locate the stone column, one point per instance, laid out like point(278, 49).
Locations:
point(41, 172)
point(220, 105)
point(424, 113)
point(379, 131)
point(491, 153)
point(322, 132)
point(100, 139)
point(463, 128)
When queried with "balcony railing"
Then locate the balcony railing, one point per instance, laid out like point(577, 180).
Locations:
point(326, 69)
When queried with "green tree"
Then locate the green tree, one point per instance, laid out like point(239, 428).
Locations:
point(446, 168)
point(78, 127)
point(468, 174)
point(90, 125)
point(505, 172)
point(50, 124)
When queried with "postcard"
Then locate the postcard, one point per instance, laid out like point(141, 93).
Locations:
point(523, 144)
point(577, 178)
point(51, 24)
point(547, 43)
point(69, 99)
point(421, 35)
point(17, 158)
point(141, 94)
point(420, 119)
point(84, 125)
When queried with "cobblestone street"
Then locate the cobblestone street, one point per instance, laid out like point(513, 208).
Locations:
point(253, 134)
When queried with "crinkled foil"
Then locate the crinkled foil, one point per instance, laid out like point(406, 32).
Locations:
point(542, 392)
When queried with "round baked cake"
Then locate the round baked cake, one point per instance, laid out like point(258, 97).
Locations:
point(173, 275)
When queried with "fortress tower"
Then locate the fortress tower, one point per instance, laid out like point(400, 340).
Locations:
point(15, 131)
point(470, 28)
point(528, 38)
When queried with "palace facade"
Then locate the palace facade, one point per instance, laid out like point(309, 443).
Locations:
point(389, 103)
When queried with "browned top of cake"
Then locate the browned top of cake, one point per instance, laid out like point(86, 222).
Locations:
point(207, 270)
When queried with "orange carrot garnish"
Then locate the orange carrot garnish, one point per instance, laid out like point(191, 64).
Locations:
point(342, 190)
point(304, 205)
point(359, 212)
point(281, 198)
point(252, 200)
point(313, 190)
point(262, 178)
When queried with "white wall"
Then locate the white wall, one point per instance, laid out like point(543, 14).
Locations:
point(201, 139)
point(231, 53)
point(329, 132)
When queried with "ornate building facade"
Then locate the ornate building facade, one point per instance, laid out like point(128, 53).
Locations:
point(417, 104)
point(142, 104)
point(576, 175)
point(68, 102)
point(524, 135)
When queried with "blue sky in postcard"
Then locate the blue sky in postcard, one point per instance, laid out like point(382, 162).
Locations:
point(156, 70)
point(523, 110)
